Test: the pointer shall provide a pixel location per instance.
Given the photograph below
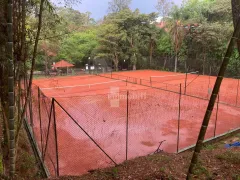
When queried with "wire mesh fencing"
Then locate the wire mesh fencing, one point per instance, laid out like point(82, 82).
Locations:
point(79, 134)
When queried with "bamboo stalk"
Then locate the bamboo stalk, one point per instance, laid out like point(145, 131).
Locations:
point(11, 99)
point(212, 101)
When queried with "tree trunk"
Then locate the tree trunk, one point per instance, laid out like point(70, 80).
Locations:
point(150, 52)
point(116, 61)
point(11, 101)
point(33, 59)
point(204, 61)
point(235, 15)
point(212, 101)
point(134, 62)
point(165, 62)
point(175, 64)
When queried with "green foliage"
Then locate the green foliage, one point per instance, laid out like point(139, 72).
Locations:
point(164, 44)
point(201, 30)
point(233, 68)
point(127, 35)
point(197, 33)
point(78, 46)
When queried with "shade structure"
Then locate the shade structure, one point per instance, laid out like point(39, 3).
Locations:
point(62, 64)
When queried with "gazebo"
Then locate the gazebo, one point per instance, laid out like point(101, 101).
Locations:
point(62, 64)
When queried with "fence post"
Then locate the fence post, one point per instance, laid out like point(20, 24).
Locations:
point(40, 118)
point(30, 108)
point(237, 92)
point(56, 137)
point(179, 116)
point(215, 126)
point(127, 127)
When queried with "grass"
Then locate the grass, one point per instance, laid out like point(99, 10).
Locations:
point(230, 156)
point(200, 170)
point(159, 158)
point(210, 146)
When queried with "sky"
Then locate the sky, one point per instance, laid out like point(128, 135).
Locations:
point(99, 8)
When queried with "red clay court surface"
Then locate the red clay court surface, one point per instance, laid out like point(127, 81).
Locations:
point(152, 116)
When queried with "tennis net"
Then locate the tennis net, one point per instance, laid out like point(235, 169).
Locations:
point(76, 89)
point(173, 77)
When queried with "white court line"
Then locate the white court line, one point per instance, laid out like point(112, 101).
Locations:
point(82, 85)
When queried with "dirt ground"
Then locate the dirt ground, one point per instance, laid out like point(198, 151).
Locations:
point(215, 162)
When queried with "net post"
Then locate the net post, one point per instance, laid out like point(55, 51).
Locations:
point(111, 74)
point(140, 81)
point(151, 81)
point(127, 126)
point(179, 116)
point(215, 126)
point(237, 92)
point(56, 137)
point(40, 118)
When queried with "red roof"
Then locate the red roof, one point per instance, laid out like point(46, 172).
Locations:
point(62, 63)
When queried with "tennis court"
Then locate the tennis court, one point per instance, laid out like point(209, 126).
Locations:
point(83, 123)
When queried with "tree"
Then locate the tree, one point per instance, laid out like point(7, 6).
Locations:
point(164, 46)
point(204, 32)
point(115, 6)
point(164, 7)
point(212, 100)
point(21, 26)
point(111, 39)
point(78, 46)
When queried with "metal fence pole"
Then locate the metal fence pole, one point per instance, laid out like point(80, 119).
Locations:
point(30, 109)
point(179, 116)
point(56, 137)
point(127, 127)
point(215, 126)
point(40, 119)
point(237, 92)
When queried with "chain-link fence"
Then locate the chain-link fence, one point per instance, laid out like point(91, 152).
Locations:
point(78, 134)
